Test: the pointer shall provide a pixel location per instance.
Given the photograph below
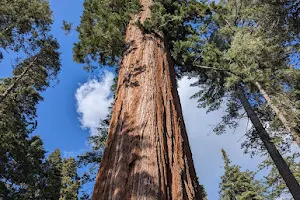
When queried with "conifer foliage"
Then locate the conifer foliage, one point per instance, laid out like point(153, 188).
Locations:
point(53, 179)
point(247, 64)
point(23, 22)
point(241, 51)
point(24, 29)
point(238, 185)
point(180, 23)
point(69, 179)
point(275, 185)
point(102, 30)
point(61, 180)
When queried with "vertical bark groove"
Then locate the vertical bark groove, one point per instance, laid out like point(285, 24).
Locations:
point(147, 154)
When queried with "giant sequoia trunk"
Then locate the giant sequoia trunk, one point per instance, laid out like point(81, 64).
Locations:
point(279, 162)
point(147, 154)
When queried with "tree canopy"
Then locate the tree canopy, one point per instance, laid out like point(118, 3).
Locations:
point(239, 185)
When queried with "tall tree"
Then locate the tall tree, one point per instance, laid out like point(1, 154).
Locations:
point(238, 185)
point(53, 180)
point(60, 180)
point(21, 155)
point(239, 54)
point(147, 154)
point(70, 180)
point(262, 55)
point(279, 83)
point(279, 162)
point(24, 30)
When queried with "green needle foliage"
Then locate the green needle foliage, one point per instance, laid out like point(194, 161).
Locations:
point(21, 167)
point(103, 27)
point(70, 180)
point(102, 30)
point(44, 65)
point(240, 49)
point(53, 179)
point(245, 63)
point(61, 180)
point(238, 185)
point(19, 151)
point(179, 22)
point(67, 27)
point(25, 29)
point(274, 183)
point(22, 22)
point(18, 115)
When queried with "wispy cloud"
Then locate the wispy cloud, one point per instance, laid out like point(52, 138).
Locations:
point(73, 154)
point(93, 99)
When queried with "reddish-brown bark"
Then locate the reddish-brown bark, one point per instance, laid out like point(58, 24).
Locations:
point(147, 154)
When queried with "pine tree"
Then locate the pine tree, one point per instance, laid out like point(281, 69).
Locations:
point(53, 179)
point(24, 29)
point(21, 154)
point(21, 167)
point(69, 180)
point(147, 153)
point(239, 54)
point(258, 55)
point(60, 179)
point(37, 71)
point(280, 95)
point(238, 185)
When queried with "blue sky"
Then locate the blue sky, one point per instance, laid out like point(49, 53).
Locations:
point(60, 124)
point(58, 120)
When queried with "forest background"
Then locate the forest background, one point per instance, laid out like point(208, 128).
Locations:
point(68, 114)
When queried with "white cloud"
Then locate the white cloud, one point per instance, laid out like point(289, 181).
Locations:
point(93, 99)
point(206, 146)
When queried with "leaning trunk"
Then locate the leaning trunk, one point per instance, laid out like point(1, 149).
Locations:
point(16, 81)
point(147, 154)
point(279, 114)
point(280, 163)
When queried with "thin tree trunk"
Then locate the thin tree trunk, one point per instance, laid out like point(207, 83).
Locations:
point(147, 154)
point(14, 84)
point(279, 114)
point(280, 163)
